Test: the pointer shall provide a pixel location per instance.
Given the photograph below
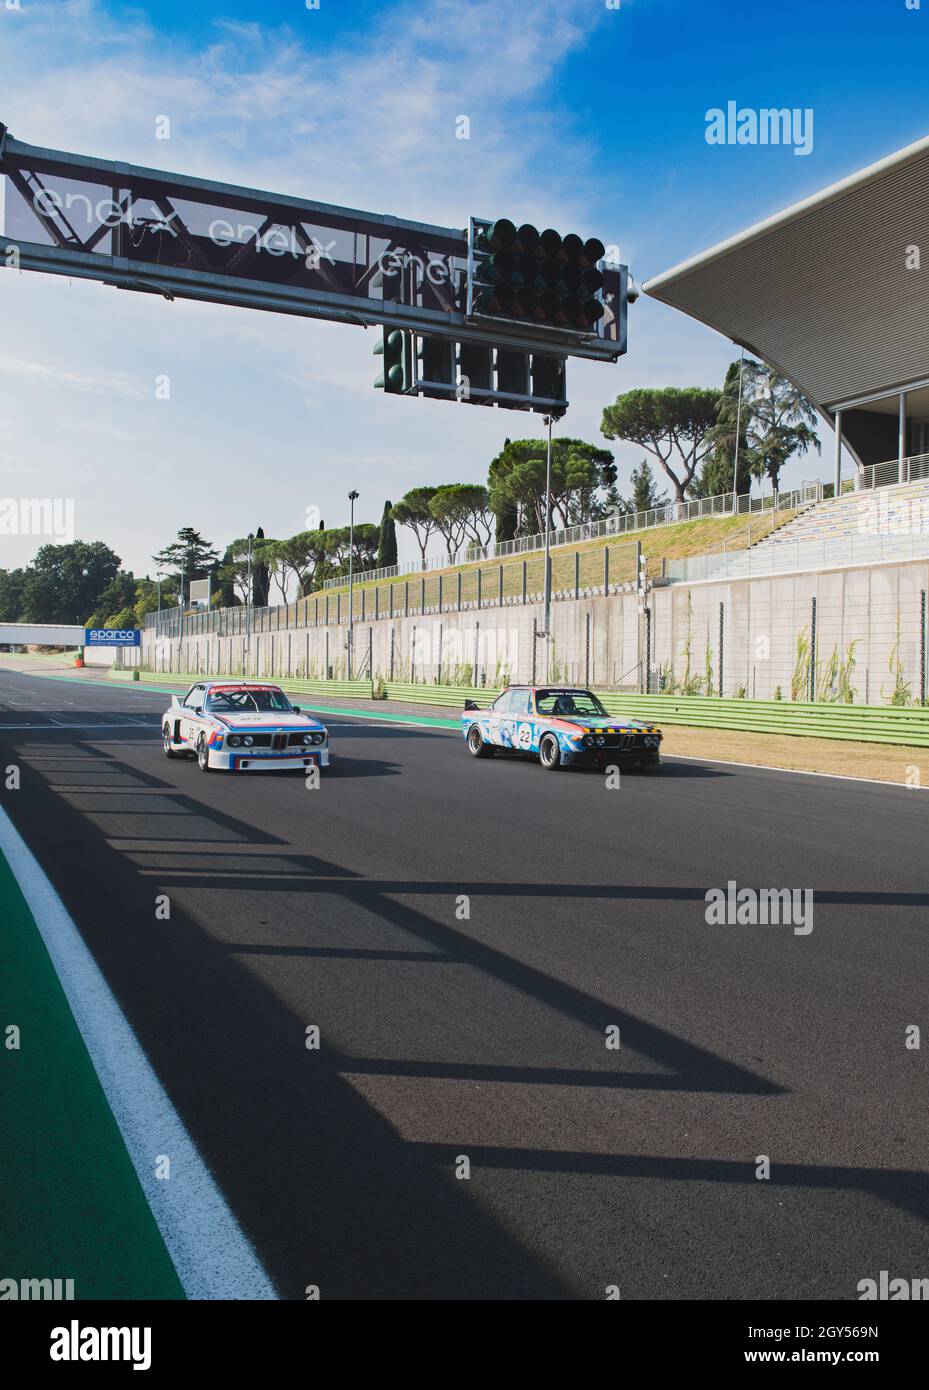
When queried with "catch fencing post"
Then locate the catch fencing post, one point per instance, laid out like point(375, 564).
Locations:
point(648, 651)
point(813, 652)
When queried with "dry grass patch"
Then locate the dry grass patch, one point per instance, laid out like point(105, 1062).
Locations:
point(885, 762)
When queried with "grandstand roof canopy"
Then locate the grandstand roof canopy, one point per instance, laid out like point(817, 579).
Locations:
point(822, 291)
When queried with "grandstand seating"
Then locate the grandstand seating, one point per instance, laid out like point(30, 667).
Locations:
point(839, 531)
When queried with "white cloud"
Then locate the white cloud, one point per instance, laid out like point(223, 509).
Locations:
point(266, 409)
point(106, 383)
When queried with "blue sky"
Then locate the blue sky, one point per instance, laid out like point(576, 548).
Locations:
point(581, 116)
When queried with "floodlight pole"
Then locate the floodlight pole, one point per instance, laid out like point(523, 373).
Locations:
point(548, 534)
point(248, 607)
point(738, 426)
point(352, 497)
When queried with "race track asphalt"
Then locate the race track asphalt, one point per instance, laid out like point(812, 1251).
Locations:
point(464, 934)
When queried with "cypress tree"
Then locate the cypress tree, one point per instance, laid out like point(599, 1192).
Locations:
point(387, 539)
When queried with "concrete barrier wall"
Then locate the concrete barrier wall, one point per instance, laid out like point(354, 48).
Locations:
point(751, 637)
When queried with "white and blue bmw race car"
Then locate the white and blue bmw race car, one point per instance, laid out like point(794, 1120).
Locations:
point(242, 726)
point(561, 727)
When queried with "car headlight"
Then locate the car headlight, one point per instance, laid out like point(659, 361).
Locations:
point(248, 740)
point(234, 740)
point(601, 742)
point(589, 740)
point(308, 738)
point(319, 738)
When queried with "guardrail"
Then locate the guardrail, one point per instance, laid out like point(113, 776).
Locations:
point(894, 724)
point(861, 723)
point(908, 470)
point(453, 696)
point(354, 689)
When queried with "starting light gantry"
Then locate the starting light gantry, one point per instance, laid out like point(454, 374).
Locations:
point(487, 314)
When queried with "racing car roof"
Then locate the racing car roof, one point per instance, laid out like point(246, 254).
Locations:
point(240, 685)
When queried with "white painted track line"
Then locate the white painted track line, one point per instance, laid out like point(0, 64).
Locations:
point(793, 771)
point(212, 1256)
point(123, 724)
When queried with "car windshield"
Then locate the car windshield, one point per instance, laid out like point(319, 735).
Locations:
point(247, 701)
point(569, 702)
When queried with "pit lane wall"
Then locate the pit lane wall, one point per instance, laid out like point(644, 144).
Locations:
point(857, 635)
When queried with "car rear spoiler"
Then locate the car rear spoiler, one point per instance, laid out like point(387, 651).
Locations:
point(175, 702)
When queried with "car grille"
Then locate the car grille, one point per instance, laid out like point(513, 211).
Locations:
point(278, 743)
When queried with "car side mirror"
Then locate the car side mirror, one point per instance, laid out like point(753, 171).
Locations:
point(296, 709)
point(198, 709)
point(471, 704)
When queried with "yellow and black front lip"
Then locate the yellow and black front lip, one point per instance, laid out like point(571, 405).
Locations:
point(583, 731)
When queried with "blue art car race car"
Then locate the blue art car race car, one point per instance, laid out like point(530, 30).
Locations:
point(560, 726)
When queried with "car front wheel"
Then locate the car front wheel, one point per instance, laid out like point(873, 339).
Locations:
point(549, 753)
point(203, 755)
point(476, 745)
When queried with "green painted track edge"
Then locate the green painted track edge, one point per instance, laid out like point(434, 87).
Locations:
point(71, 1204)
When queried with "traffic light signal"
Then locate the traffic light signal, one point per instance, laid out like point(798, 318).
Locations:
point(513, 376)
point(548, 382)
point(542, 277)
point(437, 356)
point(476, 370)
point(396, 347)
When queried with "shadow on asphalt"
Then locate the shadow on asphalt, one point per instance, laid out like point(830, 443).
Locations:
point(327, 1188)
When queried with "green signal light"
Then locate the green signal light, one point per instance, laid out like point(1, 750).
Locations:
point(395, 348)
